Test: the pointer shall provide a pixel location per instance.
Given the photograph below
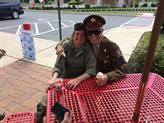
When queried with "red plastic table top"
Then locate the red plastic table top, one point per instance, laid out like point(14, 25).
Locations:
point(112, 103)
point(20, 117)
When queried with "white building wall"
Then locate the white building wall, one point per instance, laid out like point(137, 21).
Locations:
point(98, 2)
point(120, 3)
point(61, 2)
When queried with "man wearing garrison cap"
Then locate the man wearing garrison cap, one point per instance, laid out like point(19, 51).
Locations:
point(78, 62)
point(111, 65)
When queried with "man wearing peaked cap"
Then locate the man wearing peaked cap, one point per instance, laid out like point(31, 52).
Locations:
point(111, 65)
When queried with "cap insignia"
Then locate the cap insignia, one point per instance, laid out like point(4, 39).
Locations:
point(93, 20)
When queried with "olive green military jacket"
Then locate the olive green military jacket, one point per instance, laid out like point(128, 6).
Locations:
point(77, 61)
point(110, 60)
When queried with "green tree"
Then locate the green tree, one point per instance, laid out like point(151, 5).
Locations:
point(136, 61)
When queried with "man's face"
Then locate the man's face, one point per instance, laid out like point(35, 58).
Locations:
point(79, 37)
point(94, 36)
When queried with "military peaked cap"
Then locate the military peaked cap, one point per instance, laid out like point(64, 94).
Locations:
point(94, 22)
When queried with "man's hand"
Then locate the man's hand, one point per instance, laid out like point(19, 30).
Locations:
point(52, 82)
point(60, 50)
point(101, 79)
point(67, 118)
point(72, 84)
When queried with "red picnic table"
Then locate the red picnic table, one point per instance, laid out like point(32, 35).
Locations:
point(20, 117)
point(112, 103)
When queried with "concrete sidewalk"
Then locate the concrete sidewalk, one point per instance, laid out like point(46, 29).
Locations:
point(22, 83)
point(45, 53)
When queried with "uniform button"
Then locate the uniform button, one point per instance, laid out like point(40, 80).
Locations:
point(105, 61)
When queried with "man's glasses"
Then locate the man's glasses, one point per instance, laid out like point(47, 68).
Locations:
point(96, 32)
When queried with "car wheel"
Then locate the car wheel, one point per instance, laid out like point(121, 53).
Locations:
point(15, 14)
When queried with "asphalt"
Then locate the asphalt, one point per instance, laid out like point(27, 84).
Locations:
point(22, 81)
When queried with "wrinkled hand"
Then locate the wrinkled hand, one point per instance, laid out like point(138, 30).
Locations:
point(52, 82)
point(72, 84)
point(101, 79)
point(67, 118)
point(60, 50)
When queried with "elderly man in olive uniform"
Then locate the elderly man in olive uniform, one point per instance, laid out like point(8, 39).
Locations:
point(111, 65)
point(110, 61)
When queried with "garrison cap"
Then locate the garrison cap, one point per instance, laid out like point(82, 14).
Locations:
point(79, 26)
point(94, 22)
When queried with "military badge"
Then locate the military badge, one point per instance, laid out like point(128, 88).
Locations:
point(105, 61)
point(93, 20)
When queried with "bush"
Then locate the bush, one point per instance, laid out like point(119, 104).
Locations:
point(144, 5)
point(87, 6)
point(69, 7)
point(124, 6)
point(153, 5)
point(136, 5)
point(136, 61)
point(73, 6)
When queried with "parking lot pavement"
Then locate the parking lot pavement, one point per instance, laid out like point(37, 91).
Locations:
point(40, 27)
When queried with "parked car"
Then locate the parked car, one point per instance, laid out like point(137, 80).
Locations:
point(10, 8)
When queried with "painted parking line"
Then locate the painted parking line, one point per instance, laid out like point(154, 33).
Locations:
point(18, 30)
point(50, 25)
point(36, 28)
point(55, 29)
point(128, 22)
point(41, 33)
point(140, 21)
point(65, 24)
point(72, 22)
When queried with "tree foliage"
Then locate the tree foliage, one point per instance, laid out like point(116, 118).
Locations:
point(75, 2)
point(136, 61)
